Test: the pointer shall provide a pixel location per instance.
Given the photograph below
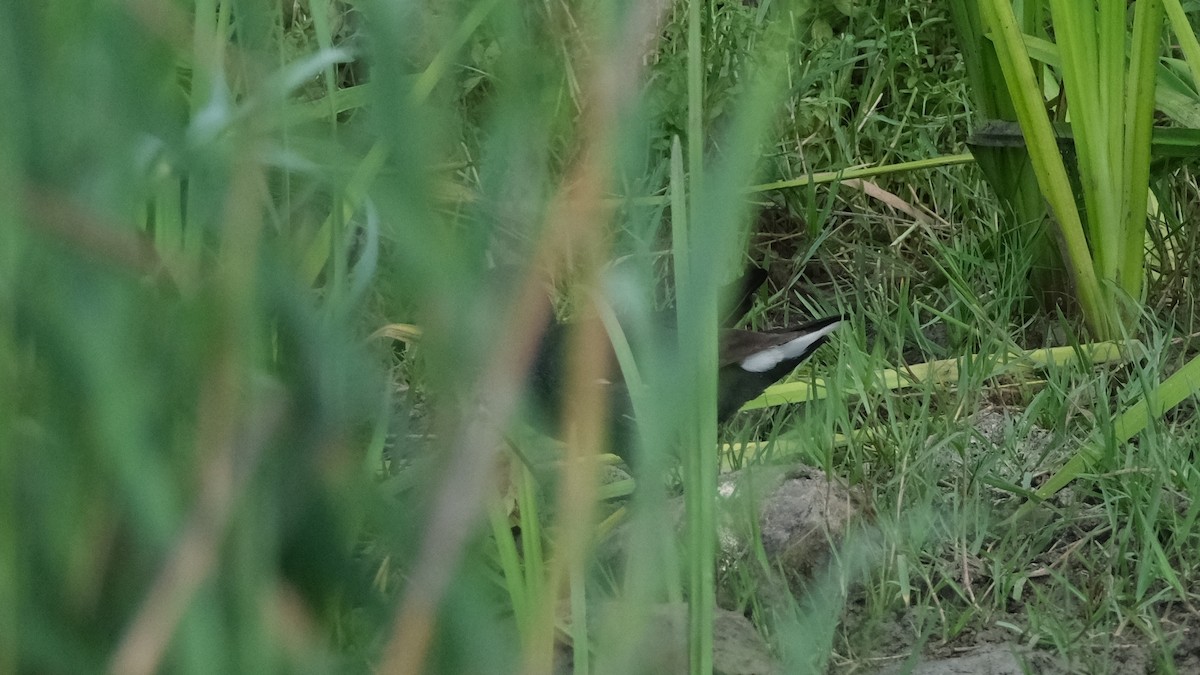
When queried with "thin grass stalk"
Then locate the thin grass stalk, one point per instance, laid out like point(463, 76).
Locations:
point(207, 52)
point(695, 98)
point(1075, 32)
point(983, 73)
point(1015, 364)
point(714, 232)
point(697, 335)
point(580, 635)
point(1111, 34)
point(585, 417)
point(168, 219)
point(320, 10)
point(1182, 28)
point(336, 285)
point(828, 177)
point(510, 564)
point(208, 62)
point(1139, 116)
point(286, 106)
point(1047, 162)
point(1007, 168)
point(11, 578)
point(11, 539)
point(1112, 132)
point(1032, 12)
point(524, 573)
point(699, 495)
point(1110, 47)
point(531, 536)
point(825, 177)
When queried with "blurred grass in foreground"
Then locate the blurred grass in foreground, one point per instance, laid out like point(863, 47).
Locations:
point(206, 210)
point(207, 465)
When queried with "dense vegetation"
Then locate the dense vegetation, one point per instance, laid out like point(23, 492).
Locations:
point(226, 446)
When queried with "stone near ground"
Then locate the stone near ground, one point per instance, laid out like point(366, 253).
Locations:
point(738, 649)
point(800, 513)
point(992, 659)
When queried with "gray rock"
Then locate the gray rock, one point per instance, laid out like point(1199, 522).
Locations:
point(661, 646)
point(739, 649)
point(992, 659)
point(798, 511)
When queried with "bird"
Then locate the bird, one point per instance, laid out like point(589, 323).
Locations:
point(748, 362)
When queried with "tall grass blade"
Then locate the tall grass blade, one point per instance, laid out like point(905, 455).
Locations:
point(1047, 162)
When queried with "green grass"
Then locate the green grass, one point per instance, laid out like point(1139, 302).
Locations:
point(206, 465)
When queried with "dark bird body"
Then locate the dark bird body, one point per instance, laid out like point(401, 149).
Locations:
point(748, 363)
point(751, 361)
